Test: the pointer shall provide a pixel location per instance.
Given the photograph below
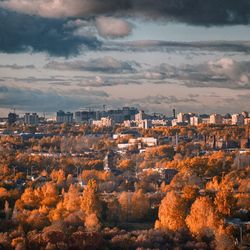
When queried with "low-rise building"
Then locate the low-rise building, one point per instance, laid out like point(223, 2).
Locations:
point(104, 122)
point(145, 124)
point(149, 141)
point(129, 124)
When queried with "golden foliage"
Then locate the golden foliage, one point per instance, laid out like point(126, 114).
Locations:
point(90, 201)
point(71, 199)
point(202, 219)
point(96, 175)
point(172, 212)
point(225, 200)
point(92, 222)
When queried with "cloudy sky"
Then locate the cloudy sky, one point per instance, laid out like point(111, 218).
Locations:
point(192, 55)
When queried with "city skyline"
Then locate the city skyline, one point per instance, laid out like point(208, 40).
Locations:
point(167, 114)
point(152, 56)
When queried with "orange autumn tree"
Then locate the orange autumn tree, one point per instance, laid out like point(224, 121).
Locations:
point(92, 222)
point(225, 201)
point(90, 200)
point(30, 199)
point(49, 194)
point(58, 176)
point(202, 219)
point(172, 212)
point(71, 200)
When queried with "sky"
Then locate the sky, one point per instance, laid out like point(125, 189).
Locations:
point(156, 55)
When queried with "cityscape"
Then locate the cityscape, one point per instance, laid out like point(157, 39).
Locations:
point(129, 117)
point(124, 125)
point(108, 175)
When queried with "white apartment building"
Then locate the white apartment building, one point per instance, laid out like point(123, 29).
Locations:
point(180, 117)
point(215, 119)
point(195, 120)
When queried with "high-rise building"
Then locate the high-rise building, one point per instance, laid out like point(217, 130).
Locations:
point(85, 116)
point(129, 113)
point(215, 119)
point(237, 119)
point(62, 117)
point(180, 117)
point(195, 120)
point(140, 116)
point(183, 118)
point(31, 118)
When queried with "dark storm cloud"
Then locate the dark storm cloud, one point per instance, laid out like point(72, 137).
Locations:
point(106, 64)
point(21, 32)
point(198, 12)
point(24, 32)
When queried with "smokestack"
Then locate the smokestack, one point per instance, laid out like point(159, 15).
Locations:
point(174, 114)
